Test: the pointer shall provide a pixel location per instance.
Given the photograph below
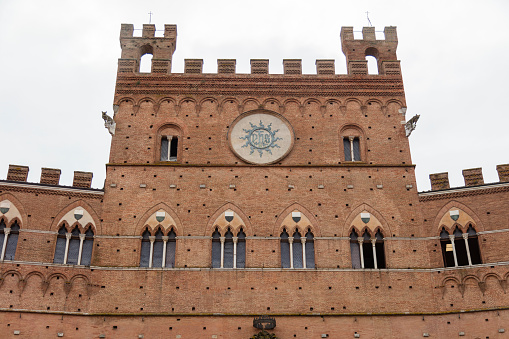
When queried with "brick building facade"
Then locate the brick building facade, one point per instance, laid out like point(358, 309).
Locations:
point(228, 196)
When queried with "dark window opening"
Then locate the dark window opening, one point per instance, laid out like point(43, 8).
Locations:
point(60, 246)
point(169, 148)
point(447, 249)
point(88, 245)
point(241, 249)
point(473, 245)
point(145, 249)
point(352, 148)
point(74, 247)
point(228, 249)
point(216, 249)
point(367, 251)
point(297, 251)
point(310, 250)
point(379, 250)
point(170, 249)
point(157, 254)
point(460, 247)
point(12, 242)
point(285, 250)
point(354, 250)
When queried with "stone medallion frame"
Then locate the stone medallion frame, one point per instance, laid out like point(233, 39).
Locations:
point(268, 139)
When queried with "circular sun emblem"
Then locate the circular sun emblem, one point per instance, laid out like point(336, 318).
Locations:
point(261, 137)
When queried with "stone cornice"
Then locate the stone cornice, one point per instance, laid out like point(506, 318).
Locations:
point(252, 85)
point(464, 192)
point(25, 187)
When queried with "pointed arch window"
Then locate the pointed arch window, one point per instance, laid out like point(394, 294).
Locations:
point(297, 251)
point(145, 249)
point(8, 240)
point(158, 250)
point(285, 250)
point(74, 248)
point(228, 251)
point(367, 252)
point(460, 249)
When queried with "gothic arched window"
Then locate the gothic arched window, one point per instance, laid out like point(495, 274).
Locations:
point(285, 250)
point(145, 249)
point(460, 249)
point(8, 240)
point(367, 252)
point(297, 251)
point(241, 249)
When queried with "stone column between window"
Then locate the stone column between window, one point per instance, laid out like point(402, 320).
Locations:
point(67, 238)
point(7, 230)
point(290, 241)
point(303, 241)
point(451, 237)
point(373, 244)
point(165, 241)
point(82, 238)
point(361, 251)
point(235, 239)
point(152, 239)
point(465, 237)
point(222, 251)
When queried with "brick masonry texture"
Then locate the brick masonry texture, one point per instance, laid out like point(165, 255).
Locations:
point(115, 297)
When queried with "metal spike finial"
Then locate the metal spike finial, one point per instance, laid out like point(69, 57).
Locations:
point(369, 21)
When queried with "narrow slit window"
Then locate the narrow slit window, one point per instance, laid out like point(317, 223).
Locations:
point(285, 250)
point(145, 249)
point(228, 250)
point(12, 242)
point(74, 247)
point(170, 249)
point(447, 249)
point(460, 248)
point(367, 251)
point(310, 250)
point(473, 246)
point(379, 250)
point(157, 256)
point(297, 250)
point(355, 250)
point(241, 249)
point(88, 245)
point(216, 249)
point(60, 246)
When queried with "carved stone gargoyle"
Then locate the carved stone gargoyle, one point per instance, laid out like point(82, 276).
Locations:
point(411, 124)
point(109, 123)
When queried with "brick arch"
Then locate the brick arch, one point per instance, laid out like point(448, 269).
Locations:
point(348, 225)
point(145, 99)
point(491, 274)
point(122, 100)
point(79, 276)
point(271, 99)
point(477, 224)
point(302, 229)
point(470, 276)
point(353, 100)
point(394, 101)
point(247, 101)
point(446, 279)
point(142, 222)
point(55, 225)
point(6, 273)
point(211, 225)
point(22, 215)
point(377, 101)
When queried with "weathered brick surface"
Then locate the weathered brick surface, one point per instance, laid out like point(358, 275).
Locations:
point(413, 296)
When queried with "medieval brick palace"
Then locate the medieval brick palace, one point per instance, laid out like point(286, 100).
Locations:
point(285, 202)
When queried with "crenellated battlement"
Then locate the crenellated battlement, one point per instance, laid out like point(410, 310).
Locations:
point(472, 177)
point(162, 49)
point(49, 176)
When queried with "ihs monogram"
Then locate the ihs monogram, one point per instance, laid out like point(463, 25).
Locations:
point(260, 138)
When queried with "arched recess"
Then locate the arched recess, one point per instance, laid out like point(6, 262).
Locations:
point(307, 221)
point(150, 220)
point(209, 106)
point(166, 105)
point(12, 210)
point(352, 143)
point(187, 106)
point(250, 104)
point(229, 104)
point(272, 104)
point(71, 216)
point(223, 220)
point(465, 216)
point(169, 142)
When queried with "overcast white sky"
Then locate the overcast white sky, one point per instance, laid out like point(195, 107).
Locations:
point(59, 62)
